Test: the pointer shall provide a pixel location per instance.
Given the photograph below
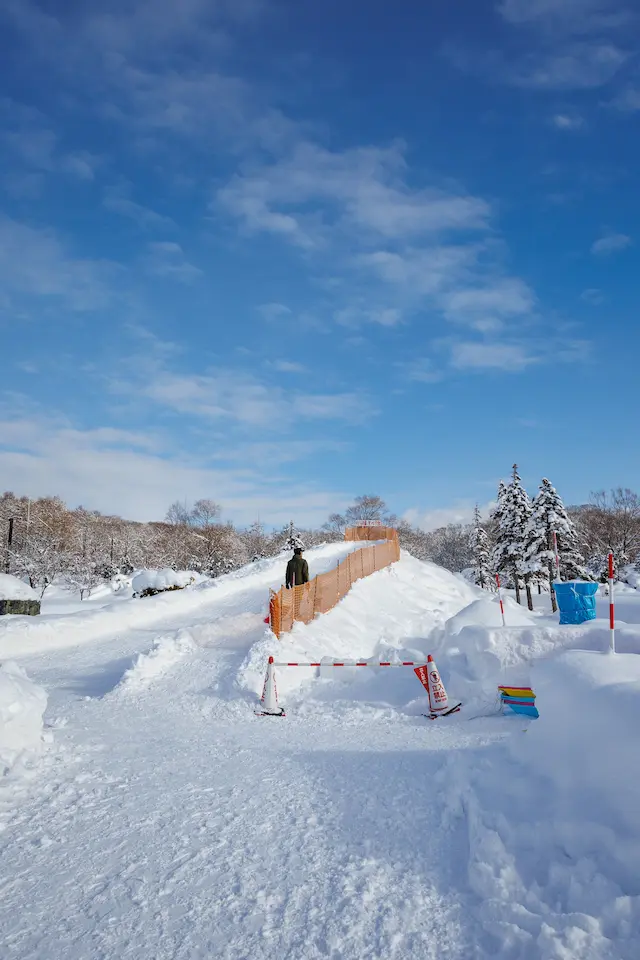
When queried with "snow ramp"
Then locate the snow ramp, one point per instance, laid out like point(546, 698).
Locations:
point(390, 615)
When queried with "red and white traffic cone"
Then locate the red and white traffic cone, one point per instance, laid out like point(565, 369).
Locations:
point(270, 706)
point(439, 703)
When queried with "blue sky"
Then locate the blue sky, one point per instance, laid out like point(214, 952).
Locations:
point(280, 253)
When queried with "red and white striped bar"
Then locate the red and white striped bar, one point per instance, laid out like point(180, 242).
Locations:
point(555, 548)
point(612, 615)
point(500, 599)
point(359, 663)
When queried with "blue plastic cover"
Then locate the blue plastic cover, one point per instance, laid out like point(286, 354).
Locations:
point(576, 600)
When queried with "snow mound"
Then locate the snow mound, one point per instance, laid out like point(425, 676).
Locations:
point(22, 705)
point(630, 575)
point(11, 588)
point(553, 815)
point(164, 579)
point(165, 653)
point(387, 616)
point(485, 612)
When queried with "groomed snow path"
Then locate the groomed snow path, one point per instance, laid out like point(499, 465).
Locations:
point(166, 820)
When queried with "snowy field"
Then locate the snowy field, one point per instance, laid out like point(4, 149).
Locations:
point(155, 816)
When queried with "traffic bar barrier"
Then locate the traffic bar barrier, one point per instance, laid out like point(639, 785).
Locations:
point(359, 663)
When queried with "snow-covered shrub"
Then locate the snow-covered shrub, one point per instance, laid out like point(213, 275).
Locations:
point(148, 583)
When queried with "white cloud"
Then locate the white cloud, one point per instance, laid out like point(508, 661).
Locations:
point(349, 407)
point(572, 16)
point(288, 366)
point(505, 297)
point(129, 474)
point(33, 262)
point(475, 355)
point(360, 313)
point(274, 311)
point(610, 243)
point(36, 146)
point(28, 135)
point(166, 259)
point(627, 101)
point(460, 512)
point(421, 370)
point(570, 45)
point(24, 185)
point(82, 165)
point(582, 65)
point(566, 121)
point(235, 397)
point(423, 271)
point(118, 200)
point(314, 189)
point(592, 295)
point(242, 198)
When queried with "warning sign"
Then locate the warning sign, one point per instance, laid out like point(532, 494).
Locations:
point(422, 674)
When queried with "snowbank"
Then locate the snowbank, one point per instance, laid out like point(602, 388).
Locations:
point(477, 653)
point(485, 612)
point(165, 653)
point(630, 575)
point(22, 704)
point(11, 588)
point(554, 815)
point(164, 579)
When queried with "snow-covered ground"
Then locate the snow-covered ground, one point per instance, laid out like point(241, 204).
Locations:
point(166, 820)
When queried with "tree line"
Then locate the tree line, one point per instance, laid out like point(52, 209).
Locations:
point(44, 540)
point(530, 542)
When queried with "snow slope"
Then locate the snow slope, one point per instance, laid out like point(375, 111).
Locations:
point(168, 821)
point(23, 636)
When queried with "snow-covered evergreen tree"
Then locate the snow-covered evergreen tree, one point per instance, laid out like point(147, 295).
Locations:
point(294, 541)
point(498, 561)
point(511, 517)
point(549, 516)
point(481, 550)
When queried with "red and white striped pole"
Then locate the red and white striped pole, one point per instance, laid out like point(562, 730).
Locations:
point(500, 599)
point(555, 548)
point(351, 663)
point(612, 618)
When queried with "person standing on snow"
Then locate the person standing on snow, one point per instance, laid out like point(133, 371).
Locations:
point(297, 569)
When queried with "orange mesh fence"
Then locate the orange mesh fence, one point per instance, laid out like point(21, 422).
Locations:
point(370, 532)
point(327, 589)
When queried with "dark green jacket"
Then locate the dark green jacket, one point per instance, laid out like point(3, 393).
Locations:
point(297, 571)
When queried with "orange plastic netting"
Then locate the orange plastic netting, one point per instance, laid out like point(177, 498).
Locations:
point(370, 532)
point(327, 589)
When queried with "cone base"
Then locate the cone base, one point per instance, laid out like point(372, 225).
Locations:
point(443, 713)
point(270, 713)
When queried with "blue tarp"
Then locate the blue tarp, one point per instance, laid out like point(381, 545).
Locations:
point(576, 600)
